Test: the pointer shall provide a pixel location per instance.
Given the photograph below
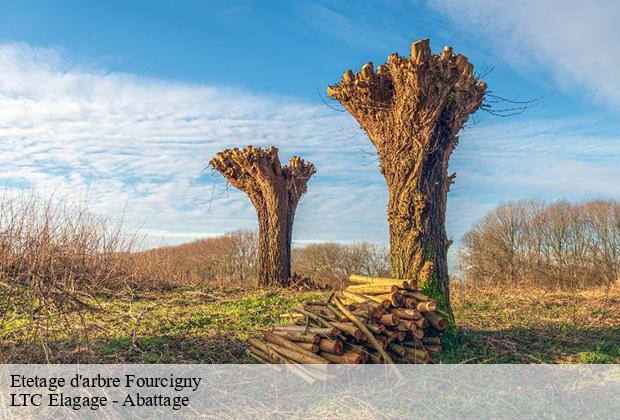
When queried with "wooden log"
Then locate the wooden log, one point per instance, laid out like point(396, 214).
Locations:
point(357, 279)
point(330, 332)
point(410, 314)
point(411, 303)
point(376, 329)
point(358, 348)
point(349, 329)
point(259, 355)
point(415, 352)
point(293, 351)
point(421, 323)
point(374, 298)
point(362, 313)
point(396, 335)
point(377, 312)
point(370, 355)
point(428, 306)
point(398, 300)
point(274, 356)
point(388, 285)
point(302, 356)
point(371, 289)
point(316, 303)
point(362, 327)
point(379, 360)
point(431, 340)
point(388, 320)
point(299, 336)
point(447, 53)
point(339, 315)
point(437, 321)
point(321, 311)
point(385, 340)
point(371, 347)
point(384, 299)
point(348, 301)
point(406, 325)
point(354, 296)
point(419, 296)
point(317, 318)
point(311, 347)
point(331, 346)
point(398, 349)
point(349, 357)
point(381, 299)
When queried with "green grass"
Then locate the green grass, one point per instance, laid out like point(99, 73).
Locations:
point(211, 326)
point(181, 326)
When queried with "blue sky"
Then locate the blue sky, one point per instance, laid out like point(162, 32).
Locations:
point(124, 102)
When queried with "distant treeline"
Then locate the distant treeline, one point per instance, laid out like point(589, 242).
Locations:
point(60, 250)
point(230, 259)
point(556, 245)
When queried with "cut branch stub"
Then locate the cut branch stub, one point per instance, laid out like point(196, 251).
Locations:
point(412, 109)
point(275, 191)
point(411, 94)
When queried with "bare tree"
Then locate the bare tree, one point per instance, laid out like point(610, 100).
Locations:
point(332, 263)
point(275, 191)
point(558, 245)
point(412, 110)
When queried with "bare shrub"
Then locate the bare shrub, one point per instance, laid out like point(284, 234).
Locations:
point(558, 245)
point(331, 263)
point(54, 257)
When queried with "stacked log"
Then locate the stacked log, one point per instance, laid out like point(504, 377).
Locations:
point(374, 320)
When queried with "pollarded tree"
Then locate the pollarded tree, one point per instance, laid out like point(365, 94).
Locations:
point(275, 191)
point(412, 109)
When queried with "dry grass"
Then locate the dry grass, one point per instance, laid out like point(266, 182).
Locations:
point(530, 325)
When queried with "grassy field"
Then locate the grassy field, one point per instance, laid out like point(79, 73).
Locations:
point(210, 326)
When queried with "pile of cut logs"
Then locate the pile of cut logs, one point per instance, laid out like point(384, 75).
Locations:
point(375, 320)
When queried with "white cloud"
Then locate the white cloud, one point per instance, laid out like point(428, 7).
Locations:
point(577, 41)
point(143, 144)
point(140, 146)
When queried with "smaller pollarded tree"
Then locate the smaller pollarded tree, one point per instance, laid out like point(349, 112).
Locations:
point(275, 191)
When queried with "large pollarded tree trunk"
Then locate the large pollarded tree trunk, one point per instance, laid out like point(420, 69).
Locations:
point(275, 191)
point(412, 109)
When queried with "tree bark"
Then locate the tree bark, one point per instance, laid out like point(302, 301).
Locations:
point(416, 219)
point(275, 191)
point(412, 109)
